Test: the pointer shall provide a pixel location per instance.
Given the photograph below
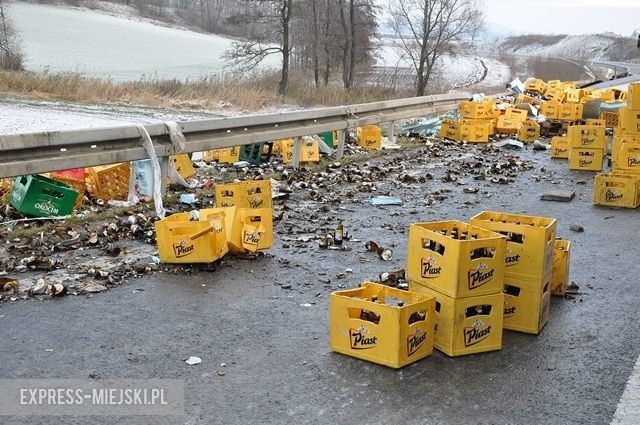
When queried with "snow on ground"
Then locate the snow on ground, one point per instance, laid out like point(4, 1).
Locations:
point(28, 117)
point(62, 39)
point(451, 71)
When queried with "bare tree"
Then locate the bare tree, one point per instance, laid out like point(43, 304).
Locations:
point(11, 57)
point(428, 29)
point(275, 16)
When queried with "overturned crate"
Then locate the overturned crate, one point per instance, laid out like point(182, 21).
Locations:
point(184, 240)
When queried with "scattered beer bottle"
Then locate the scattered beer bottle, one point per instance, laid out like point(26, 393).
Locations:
point(339, 232)
point(417, 316)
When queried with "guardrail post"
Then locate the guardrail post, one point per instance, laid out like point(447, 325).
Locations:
point(391, 130)
point(341, 140)
point(164, 174)
point(297, 144)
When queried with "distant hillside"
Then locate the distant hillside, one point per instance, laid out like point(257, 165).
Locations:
point(575, 47)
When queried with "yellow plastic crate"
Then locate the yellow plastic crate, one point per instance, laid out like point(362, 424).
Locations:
point(587, 137)
point(244, 194)
point(5, 190)
point(474, 110)
point(596, 122)
point(109, 182)
point(249, 229)
point(555, 84)
point(624, 153)
point(626, 156)
point(210, 156)
point(535, 85)
point(466, 325)
point(530, 241)
point(555, 95)
point(183, 165)
point(611, 119)
point(489, 123)
point(229, 155)
point(574, 95)
point(309, 150)
point(474, 133)
point(369, 137)
point(629, 121)
point(586, 159)
point(570, 111)
point(381, 331)
point(517, 113)
point(79, 185)
point(560, 147)
point(450, 129)
point(617, 190)
point(468, 266)
point(569, 84)
point(523, 98)
point(551, 110)
point(529, 132)
point(277, 146)
point(633, 96)
point(183, 241)
point(561, 265)
point(508, 124)
point(526, 304)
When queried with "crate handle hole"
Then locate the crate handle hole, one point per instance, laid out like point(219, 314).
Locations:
point(478, 310)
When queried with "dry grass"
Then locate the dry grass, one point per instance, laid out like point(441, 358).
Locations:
point(250, 93)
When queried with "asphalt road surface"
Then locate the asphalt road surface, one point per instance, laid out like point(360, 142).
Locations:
point(261, 326)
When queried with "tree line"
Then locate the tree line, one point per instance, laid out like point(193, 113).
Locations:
point(330, 40)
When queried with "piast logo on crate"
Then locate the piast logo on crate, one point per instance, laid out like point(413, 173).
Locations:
point(634, 161)
point(612, 195)
point(478, 332)
point(361, 339)
point(181, 249)
point(429, 269)
point(511, 259)
point(252, 238)
point(509, 310)
point(480, 275)
point(415, 341)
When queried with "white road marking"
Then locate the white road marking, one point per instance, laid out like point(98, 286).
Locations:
point(628, 411)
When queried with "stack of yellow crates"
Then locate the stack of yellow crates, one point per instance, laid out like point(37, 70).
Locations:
point(621, 187)
point(462, 266)
point(588, 144)
point(528, 265)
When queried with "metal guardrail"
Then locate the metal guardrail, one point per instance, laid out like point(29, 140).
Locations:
point(57, 150)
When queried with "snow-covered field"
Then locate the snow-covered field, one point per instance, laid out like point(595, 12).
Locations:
point(63, 39)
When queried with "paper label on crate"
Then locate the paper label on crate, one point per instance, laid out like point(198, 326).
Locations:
point(428, 267)
point(613, 195)
point(361, 338)
point(415, 341)
point(478, 332)
point(182, 249)
point(479, 275)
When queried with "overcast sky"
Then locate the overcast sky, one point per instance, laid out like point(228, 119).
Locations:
point(564, 16)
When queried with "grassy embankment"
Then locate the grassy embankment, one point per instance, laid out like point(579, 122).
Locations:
point(250, 93)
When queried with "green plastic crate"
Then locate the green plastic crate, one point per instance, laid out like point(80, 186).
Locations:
point(40, 196)
point(254, 153)
point(327, 138)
